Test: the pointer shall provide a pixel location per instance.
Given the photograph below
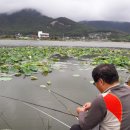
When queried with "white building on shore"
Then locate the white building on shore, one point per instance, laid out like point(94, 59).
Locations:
point(43, 35)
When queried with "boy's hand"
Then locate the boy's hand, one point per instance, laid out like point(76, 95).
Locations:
point(85, 107)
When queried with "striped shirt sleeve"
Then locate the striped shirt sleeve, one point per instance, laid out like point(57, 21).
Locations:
point(94, 116)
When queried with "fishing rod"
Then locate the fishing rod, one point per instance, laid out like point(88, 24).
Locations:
point(48, 115)
point(16, 99)
point(43, 86)
point(31, 105)
point(53, 94)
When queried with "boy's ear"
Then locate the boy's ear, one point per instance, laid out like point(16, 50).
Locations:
point(101, 81)
point(128, 83)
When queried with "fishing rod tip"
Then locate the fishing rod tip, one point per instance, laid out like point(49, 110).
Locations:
point(43, 86)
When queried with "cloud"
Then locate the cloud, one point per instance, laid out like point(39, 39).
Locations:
point(115, 10)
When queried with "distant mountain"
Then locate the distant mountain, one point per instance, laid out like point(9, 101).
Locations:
point(29, 21)
point(25, 21)
point(109, 25)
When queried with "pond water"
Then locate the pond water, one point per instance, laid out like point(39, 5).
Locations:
point(65, 43)
point(71, 79)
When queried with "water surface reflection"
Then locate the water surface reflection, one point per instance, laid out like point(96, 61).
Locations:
point(70, 79)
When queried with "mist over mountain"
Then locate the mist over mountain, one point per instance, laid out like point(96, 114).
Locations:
point(109, 25)
point(29, 21)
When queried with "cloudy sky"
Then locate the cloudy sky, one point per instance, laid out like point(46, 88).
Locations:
point(112, 10)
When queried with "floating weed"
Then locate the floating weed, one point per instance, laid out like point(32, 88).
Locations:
point(43, 86)
point(5, 78)
point(34, 78)
point(29, 60)
point(91, 82)
point(76, 75)
point(17, 74)
point(49, 83)
point(45, 70)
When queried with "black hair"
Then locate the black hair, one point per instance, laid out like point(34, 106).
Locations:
point(106, 72)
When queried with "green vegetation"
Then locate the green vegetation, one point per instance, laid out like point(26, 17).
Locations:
point(28, 22)
point(30, 60)
point(119, 37)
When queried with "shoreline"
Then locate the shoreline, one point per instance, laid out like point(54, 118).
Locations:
point(89, 44)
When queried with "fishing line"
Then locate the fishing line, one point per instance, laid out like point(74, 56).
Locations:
point(5, 121)
point(60, 101)
point(37, 105)
point(30, 105)
point(128, 78)
point(62, 96)
point(48, 115)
